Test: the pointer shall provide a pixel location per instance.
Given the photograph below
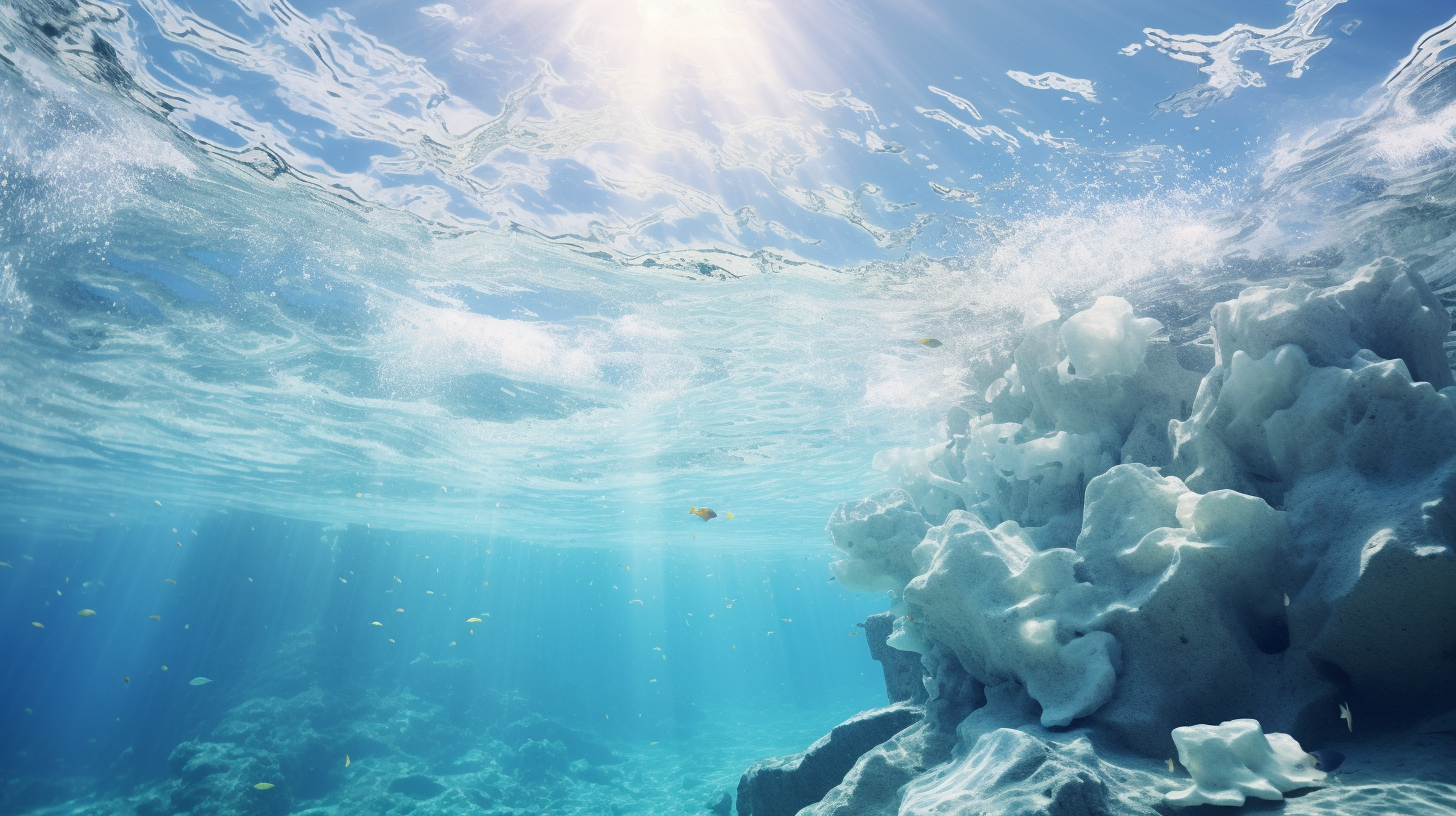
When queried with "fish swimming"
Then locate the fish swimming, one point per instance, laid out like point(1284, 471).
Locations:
point(37, 624)
point(472, 620)
point(346, 760)
point(727, 515)
point(154, 617)
point(172, 581)
point(1327, 759)
point(6, 565)
point(198, 681)
point(263, 786)
point(1347, 716)
point(930, 342)
point(702, 513)
point(86, 613)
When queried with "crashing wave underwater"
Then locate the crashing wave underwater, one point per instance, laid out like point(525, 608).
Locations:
point(362, 364)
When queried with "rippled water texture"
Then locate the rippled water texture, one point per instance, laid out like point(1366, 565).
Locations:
point(556, 268)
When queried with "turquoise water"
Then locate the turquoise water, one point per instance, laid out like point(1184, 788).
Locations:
point(319, 317)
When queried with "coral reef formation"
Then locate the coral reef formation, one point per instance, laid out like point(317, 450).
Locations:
point(1118, 551)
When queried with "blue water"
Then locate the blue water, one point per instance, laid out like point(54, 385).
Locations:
point(328, 311)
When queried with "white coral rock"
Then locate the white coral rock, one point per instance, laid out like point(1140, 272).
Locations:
point(1235, 760)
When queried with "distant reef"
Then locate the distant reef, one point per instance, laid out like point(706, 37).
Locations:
point(1141, 575)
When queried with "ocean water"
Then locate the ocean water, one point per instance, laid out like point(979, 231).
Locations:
point(362, 362)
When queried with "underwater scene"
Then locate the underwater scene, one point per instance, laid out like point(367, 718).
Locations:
point(752, 407)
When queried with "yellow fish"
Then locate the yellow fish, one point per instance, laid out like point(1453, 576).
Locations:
point(37, 624)
point(172, 581)
point(472, 620)
point(346, 760)
point(727, 515)
point(86, 613)
point(263, 786)
point(930, 342)
point(702, 513)
point(154, 617)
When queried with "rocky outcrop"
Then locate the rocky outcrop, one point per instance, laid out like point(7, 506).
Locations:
point(904, 675)
point(784, 785)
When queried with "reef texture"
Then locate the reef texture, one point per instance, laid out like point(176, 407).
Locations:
point(1116, 547)
point(781, 786)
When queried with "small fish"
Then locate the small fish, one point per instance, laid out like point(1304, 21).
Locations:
point(164, 668)
point(86, 613)
point(6, 564)
point(154, 617)
point(852, 634)
point(653, 680)
point(1347, 716)
point(1327, 759)
point(930, 342)
point(341, 580)
point(1171, 769)
point(399, 610)
point(1286, 599)
point(787, 620)
point(472, 620)
point(37, 624)
point(126, 680)
point(635, 601)
point(727, 515)
point(375, 623)
point(346, 760)
point(702, 513)
point(263, 786)
point(28, 711)
point(452, 643)
point(172, 581)
point(198, 681)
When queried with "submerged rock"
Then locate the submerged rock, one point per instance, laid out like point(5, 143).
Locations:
point(904, 675)
point(784, 785)
point(1122, 547)
point(417, 786)
point(1235, 760)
